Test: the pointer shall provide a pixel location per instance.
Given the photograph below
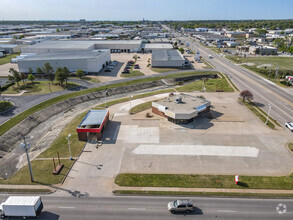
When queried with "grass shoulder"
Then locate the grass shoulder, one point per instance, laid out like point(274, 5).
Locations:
point(204, 181)
point(7, 58)
point(132, 73)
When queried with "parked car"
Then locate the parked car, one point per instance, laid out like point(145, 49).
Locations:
point(136, 67)
point(125, 71)
point(181, 205)
point(289, 125)
point(128, 67)
point(110, 67)
point(107, 70)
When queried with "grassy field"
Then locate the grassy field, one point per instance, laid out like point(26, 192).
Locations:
point(91, 79)
point(6, 59)
point(42, 172)
point(204, 181)
point(141, 107)
point(18, 118)
point(208, 65)
point(38, 87)
point(163, 70)
point(5, 105)
point(290, 146)
point(211, 86)
point(132, 73)
point(283, 62)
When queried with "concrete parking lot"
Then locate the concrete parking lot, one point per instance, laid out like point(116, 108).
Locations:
point(4, 69)
point(122, 59)
point(233, 142)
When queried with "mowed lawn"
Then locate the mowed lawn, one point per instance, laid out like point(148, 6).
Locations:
point(6, 59)
point(283, 62)
point(38, 87)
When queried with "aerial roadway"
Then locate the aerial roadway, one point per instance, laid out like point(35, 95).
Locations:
point(265, 92)
point(149, 207)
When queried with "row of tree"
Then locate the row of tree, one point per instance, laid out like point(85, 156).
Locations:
point(61, 74)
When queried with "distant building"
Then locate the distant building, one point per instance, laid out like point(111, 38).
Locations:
point(232, 44)
point(167, 58)
point(89, 61)
point(263, 50)
point(10, 48)
point(149, 48)
point(181, 109)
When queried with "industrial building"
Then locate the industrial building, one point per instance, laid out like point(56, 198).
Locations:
point(263, 50)
point(149, 48)
point(167, 58)
point(91, 61)
point(93, 125)
point(70, 45)
point(10, 48)
point(181, 109)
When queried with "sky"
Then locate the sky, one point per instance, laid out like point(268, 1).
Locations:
point(148, 9)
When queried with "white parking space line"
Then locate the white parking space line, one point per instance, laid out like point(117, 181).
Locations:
point(198, 150)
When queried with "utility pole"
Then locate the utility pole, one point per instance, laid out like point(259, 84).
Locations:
point(25, 146)
point(69, 146)
point(130, 104)
point(277, 71)
point(106, 93)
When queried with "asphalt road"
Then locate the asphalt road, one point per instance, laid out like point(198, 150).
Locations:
point(265, 92)
point(128, 208)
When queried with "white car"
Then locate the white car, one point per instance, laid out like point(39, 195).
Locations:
point(289, 125)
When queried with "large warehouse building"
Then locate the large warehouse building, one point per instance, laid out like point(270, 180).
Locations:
point(181, 109)
point(62, 45)
point(167, 58)
point(91, 61)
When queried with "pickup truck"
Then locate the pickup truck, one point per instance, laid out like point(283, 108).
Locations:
point(21, 206)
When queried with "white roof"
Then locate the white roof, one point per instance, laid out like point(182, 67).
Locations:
point(22, 200)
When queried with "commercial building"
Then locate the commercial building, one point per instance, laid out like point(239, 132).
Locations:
point(263, 50)
point(149, 48)
point(93, 125)
point(10, 48)
point(90, 61)
point(70, 45)
point(181, 109)
point(167, 58)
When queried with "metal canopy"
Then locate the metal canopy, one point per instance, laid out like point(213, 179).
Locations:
point(94, 117)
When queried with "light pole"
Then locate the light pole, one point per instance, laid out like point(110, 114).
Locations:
point(69, 146)
point(268, 113)
point(25, 147)
point(130, 104)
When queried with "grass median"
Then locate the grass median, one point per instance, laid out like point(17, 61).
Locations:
point(18, 118)
point(42, 172)
point(6, 59)
point(204, 181)
point(4, 105)
point(132, 73)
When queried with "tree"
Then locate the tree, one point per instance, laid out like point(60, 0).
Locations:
point(49, 71)
point(23, 77)
point(181, 50)
point(31, 78)
point(79, 73)
point(16, 75)
point(11, 79)
point(39, 71)
point(246, 94)
point(60, 75)
point(66, 73)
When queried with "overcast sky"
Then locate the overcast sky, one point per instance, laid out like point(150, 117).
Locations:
point(148, 9)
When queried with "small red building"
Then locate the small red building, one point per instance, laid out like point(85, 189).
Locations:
point(93, 125)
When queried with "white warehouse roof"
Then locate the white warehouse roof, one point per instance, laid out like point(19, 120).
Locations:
point(166, 55)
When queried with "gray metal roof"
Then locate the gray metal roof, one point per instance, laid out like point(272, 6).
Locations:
point(165, 55)
point(94, 117)
point(66, 55)
point(157, 46)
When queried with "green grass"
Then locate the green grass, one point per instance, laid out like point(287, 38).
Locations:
point(18, 118)
point(211, 85)
point(232, 83)
point(253, 108)
point(163, 70)
point(290, 146)
point(283, 62)
point(6, 59)
point(204, 181)
point(88, 78)
point(38, 87)
point(132, 73)
point(141, 107)
point(4, 190)
point(60, 144)
point(5, 106)
point(42, 171)
point(205, 194)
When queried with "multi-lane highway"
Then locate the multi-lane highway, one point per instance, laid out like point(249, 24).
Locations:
point(128, 208)
point(265, 92)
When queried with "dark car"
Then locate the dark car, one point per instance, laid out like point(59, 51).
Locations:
point(125, 71)
point(107, 70)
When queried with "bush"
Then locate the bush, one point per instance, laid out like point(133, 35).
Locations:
point(3, 88)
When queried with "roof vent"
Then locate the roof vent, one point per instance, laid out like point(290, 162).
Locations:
point(178, 100)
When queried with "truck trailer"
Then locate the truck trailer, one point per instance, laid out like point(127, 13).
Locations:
point(21, 206)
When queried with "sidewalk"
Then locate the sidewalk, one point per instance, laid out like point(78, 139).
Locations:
point(216, 190)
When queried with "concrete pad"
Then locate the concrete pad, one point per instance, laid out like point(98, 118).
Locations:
point(199, 150)
point(126, 107)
